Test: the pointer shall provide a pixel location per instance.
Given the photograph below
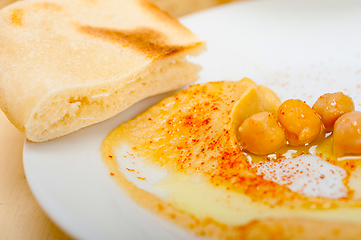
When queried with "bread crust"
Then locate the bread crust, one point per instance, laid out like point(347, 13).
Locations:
point(54, 52)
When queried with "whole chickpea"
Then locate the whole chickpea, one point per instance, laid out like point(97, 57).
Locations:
point(331, 106)
point(261, 134)
point(301, 122)
point(347, 134)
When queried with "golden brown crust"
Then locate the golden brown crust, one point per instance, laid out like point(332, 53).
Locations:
point(144, 40)
point(16, 17)
point(73, 48)
point(17, 14)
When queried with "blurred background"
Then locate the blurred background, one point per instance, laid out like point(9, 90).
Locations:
point(176, 8)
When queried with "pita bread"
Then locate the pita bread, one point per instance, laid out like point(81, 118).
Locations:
point(67, 64)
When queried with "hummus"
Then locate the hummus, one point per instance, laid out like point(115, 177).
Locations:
point(212, 187)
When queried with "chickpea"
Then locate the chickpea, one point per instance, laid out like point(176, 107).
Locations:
point(301, 122)
point(331, 106)
point(347, 134)
point(261, 134)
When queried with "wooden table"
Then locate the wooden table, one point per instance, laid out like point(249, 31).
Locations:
point(20, 215)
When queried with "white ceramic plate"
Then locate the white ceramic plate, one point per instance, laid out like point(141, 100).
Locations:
point(299, 48)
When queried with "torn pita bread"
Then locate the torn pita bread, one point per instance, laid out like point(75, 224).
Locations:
point(67, 64)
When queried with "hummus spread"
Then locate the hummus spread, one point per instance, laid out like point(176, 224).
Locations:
point(212, 187)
